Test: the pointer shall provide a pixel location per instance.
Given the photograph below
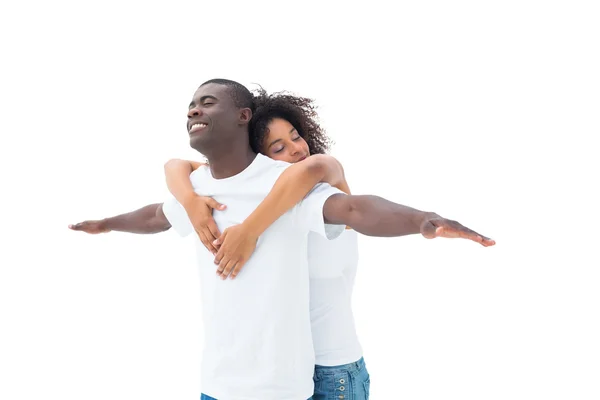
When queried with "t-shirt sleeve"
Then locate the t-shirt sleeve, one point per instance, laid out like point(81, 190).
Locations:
point(177, 217)
point(309, 212)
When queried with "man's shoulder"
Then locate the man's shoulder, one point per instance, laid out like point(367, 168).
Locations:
point(268, 166)
point(200, 174)
point(267, 162)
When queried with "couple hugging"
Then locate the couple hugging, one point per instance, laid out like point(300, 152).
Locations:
point(276, 229)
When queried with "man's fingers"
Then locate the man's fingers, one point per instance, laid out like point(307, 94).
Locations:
point(452, 232)
point(459, 231)
point(471, 236)
point(488, 242)
point(449, 231)
point(80, 226)
point(485, 241)
point(86, 226)
point(474, 236)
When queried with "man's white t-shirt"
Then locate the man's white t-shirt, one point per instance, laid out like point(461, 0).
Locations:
point(258, 343)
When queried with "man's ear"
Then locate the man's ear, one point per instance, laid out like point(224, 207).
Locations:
point(245, 116)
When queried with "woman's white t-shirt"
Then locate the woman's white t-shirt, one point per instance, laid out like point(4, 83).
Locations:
point(333, 265)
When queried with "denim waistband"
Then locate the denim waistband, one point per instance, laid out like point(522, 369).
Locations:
point(354, 366)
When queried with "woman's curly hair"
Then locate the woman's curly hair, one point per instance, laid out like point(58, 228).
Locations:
point(298, 111)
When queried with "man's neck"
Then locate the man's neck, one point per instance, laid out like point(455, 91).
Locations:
point(230, 162)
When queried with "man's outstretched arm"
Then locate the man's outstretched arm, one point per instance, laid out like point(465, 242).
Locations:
point(375, 216)
point(148, 219)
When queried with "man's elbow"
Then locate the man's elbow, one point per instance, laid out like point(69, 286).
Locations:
point(340, 209)
point(156, 225)
point(160, 223)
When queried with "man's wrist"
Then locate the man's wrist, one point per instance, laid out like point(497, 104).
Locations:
point(104, 224)
point(425, 217)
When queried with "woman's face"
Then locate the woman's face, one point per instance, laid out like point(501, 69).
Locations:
point(284, 143)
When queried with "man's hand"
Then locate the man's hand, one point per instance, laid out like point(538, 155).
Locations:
point(236, 246)
point(146, 220)
point(436, 226)
point(91, 227)
point(200, 209)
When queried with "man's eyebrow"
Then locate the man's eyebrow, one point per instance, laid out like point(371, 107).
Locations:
point(202, 99)
point(208, 96)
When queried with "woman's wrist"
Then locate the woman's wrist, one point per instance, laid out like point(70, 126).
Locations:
point(252, 228)
point(188, 199)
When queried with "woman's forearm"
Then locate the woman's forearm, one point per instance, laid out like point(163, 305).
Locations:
point(177, 174)
point(292, 186)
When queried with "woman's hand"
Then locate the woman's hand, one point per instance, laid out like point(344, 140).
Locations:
point(236, 245)
point(199, 210)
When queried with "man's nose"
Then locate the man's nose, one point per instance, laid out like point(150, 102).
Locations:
point(194, 112)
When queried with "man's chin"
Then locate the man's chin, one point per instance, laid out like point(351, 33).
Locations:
point(198, 142)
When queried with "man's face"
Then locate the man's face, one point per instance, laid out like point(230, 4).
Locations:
point(212, 117)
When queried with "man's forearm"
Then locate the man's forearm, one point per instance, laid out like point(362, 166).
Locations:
point(148, 219)
point(374, 216)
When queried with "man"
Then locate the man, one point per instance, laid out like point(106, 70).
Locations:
point(258, 341)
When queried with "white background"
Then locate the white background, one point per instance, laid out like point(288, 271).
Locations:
point(484, 112)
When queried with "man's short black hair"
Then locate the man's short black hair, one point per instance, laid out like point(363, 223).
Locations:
point(241, 96)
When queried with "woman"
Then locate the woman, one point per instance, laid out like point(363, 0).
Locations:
point(284, 128)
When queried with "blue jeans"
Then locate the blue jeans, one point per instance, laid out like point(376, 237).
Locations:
point(205, 397)
point(348, 382)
